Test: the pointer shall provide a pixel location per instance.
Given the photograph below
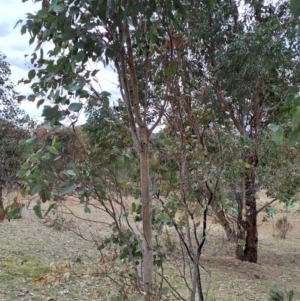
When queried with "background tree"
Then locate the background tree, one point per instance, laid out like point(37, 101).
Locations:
point(245, 62)
point(14, 126)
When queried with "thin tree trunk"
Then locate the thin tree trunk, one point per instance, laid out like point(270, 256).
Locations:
point(197, 280)
point(231, 235)
point(147, 217)
point(240, 236)
point(2, 211)
point(220, 215)
point(200, 291)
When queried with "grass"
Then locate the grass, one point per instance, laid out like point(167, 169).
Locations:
point(28, 268)
point(27, 248)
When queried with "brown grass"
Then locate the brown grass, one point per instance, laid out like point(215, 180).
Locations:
point(30, 245)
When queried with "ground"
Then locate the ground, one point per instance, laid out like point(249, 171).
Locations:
point(40, 260)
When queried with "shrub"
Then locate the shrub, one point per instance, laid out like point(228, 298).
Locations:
point(169, 242)
point(278, 294)
point(283, 226)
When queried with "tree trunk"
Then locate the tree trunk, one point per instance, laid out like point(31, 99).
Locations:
point(231, 235)
point(250, 252)
point(247, 234)
point(240, 236)
point(2, 211)
point(147, 217)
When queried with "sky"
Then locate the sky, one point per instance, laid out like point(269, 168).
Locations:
point(15, 47)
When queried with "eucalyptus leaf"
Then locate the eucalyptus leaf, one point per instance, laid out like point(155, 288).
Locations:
point(68, 189)
point(75, 106)
point(38, 210)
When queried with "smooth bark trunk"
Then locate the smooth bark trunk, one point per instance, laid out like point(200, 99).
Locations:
point(231, 235)
point(240, 235)
point(220, 215)
point(2, 211)
point(147, 218)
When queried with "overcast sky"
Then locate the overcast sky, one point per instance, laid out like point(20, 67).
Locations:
point(15, 47)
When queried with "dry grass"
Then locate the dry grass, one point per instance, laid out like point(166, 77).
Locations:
point(29, 246)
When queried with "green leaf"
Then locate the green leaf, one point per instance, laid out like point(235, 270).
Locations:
point(13, 212)
point(105, 102)
point(289, 100)
point(52, 150)
point(105, 94)
point(165, 218)
point(22, 173)
point(51, 113)
point(74, 87)
point(21, 97)
point(133, 206)
point(31, 97)
point(36, 188)
point(294, 89)
point(80, 56)
point(69, 189)
point(40, 102)
point(31, 74)
point(172, 70)
point(165, 290)
point(45, 195)
point(37, 209)
point(70, 172)
point(294, 137)
point(247, 165)
point(68, 35)
point(75, 106)
point(25, 165)
point(43, 13)
point(273, 127)
point(23, 29)
point(31, 141)
point(56, 6)
point(278, 136)
point(50, 208)
point(87, 209)
point(20, 21)
point(295, 8)
point(136, 297)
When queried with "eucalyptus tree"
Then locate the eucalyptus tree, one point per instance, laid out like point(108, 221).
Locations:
point(122, 34)
point(249, 59)
point(236, 65)
point(14, 126)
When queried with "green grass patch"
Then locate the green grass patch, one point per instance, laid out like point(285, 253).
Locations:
point(28, 268)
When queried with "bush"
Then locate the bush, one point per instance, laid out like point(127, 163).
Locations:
point(283, 226)
point(169, 242)
point(277, 294)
